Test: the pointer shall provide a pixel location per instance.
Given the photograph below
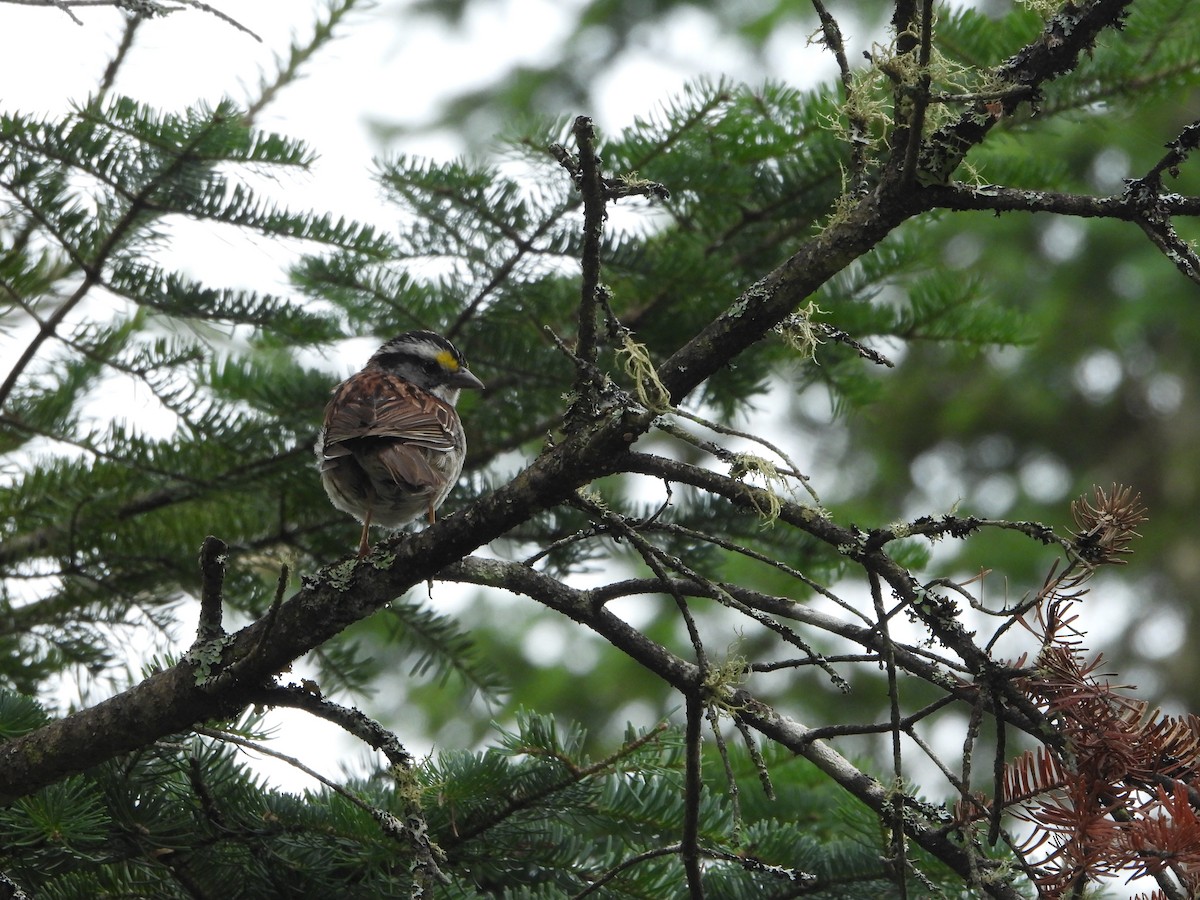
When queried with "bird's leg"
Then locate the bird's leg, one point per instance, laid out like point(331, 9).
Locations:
point(430, 513)
point(364, 543)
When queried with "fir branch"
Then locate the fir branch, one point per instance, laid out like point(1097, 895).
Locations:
point(574, 774)
point(440, 643)
point(373, 734)
point(410, 833)
point(31, 543)
point(522, 248)
point(625, 865)
point(93, 265)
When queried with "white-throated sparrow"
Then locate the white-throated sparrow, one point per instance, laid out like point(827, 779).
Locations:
point(392, 445)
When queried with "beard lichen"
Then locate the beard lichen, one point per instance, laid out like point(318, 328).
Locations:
point(638, 366)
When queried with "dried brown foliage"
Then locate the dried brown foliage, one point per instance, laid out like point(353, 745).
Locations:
point(1113, 791)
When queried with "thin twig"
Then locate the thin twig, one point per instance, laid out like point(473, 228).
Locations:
point(792, 469)
point(136, 6)
point(899, 848)
point(713, 713)
point(832, 36)
point(841, 337)
point(919, 95)
point(1177, 153)
point(654, 558)
point(689, 845)
point(114, 65)
point(350, 720)
point(764, 558)
point(258, 747)
point(670, 850)
point(412, 834)
point(760, 764)
point(288, 72)
point(1162, 235)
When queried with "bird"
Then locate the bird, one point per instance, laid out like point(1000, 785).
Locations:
point(392, 445)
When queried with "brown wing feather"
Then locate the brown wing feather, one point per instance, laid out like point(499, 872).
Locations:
point(378, 405)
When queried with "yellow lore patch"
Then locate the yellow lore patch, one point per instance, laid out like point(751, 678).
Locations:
point(447, 361)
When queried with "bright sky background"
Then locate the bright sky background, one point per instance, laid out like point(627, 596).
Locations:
point(387, 65)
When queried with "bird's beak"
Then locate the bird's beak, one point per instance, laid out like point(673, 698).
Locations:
point(463, 378)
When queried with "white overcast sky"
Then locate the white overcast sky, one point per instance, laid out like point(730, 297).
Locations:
point(388, 64)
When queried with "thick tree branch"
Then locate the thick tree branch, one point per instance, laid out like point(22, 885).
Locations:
point(175, 699)
point(1071, 32)
point(768, 301)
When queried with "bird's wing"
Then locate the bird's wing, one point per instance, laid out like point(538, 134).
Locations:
point(378, 405)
